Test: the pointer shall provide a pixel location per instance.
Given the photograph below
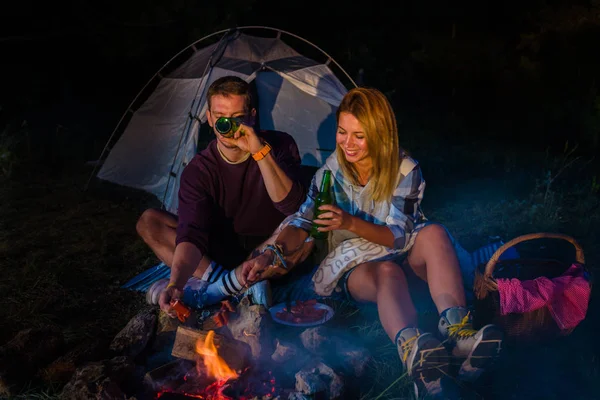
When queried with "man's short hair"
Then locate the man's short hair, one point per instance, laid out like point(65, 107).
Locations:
point(230, 85)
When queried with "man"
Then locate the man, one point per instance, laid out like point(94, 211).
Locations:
point(232, 196)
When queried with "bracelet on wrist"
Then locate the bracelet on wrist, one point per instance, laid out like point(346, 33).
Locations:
point(259, 155)
point(278, 251)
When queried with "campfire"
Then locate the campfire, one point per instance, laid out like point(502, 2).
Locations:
point(216, 367)
point(240, 353)
point(213, 378)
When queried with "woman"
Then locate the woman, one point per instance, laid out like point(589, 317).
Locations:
point(377, 225)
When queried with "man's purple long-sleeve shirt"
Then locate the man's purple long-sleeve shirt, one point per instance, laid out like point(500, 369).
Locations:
point(214, 194)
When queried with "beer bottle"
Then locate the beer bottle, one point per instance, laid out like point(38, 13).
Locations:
point(227, 126)
point(325, 196)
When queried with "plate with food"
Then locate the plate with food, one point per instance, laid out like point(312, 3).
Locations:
point(301, 313)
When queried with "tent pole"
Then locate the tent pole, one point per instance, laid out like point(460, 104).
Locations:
point(203, 83)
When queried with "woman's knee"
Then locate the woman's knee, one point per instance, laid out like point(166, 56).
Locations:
point(433, 233)
point(389, 271)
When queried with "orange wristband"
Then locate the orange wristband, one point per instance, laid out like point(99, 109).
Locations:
point(262, 152)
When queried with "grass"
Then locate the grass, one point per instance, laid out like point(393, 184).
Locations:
point(64, 253)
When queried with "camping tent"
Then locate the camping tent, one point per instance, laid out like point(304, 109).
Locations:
point(296, 94)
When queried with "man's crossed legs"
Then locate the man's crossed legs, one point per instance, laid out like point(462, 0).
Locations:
point(211, 282)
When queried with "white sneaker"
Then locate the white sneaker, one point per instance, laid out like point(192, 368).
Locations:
point(192, 288)
point(260, 293)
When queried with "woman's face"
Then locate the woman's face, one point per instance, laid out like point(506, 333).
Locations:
point(351, 138)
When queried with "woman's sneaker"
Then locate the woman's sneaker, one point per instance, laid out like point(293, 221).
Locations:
point(425, 360)
point(480, 348)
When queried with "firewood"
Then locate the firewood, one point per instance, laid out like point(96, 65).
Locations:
point(168, 376)
point(235, 353)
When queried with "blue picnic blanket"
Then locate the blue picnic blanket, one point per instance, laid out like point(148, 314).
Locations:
point(299, 285)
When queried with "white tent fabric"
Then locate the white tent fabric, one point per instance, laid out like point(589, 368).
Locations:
point(296, 95)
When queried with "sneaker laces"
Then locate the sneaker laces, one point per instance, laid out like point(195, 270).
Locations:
point(407, 346)
point(462, 330)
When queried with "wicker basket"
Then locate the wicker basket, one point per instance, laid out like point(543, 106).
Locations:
point(520, 327)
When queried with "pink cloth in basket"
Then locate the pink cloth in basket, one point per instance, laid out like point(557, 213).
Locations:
point(567, 296)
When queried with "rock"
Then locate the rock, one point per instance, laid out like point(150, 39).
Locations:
point(132, 339)
point(298, 396)
point(310, 383)
point(23, 356)
point(252, 324)
point(284, 351)
point(353, 358)
point(100, 380)
point(318, 378)
point(108, 389)
point(289, 359)
point(316, 340)
point(338, 347)
point(60, 371)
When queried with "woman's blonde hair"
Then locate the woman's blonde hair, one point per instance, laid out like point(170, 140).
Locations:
point(374, 112)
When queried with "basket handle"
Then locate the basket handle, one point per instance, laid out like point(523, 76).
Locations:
point(489, 268)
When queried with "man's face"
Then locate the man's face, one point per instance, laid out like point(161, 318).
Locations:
point(227, 106)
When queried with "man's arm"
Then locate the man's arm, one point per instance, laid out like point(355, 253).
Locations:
point(277, 183)
point(279, 168)
point(292, 241)
point(186, 259)
point(195, 212)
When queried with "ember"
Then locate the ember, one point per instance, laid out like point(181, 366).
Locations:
point(250, 385)
point(214, 379)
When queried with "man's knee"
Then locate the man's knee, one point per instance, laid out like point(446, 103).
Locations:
point(148, 223)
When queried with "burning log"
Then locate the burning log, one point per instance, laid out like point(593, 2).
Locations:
point(235, 353)
point(168, 376)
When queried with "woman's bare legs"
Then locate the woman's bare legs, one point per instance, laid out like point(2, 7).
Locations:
point(434, 260)
point(384, 283)
point(422, 355)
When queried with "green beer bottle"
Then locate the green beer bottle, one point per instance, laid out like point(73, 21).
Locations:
point(227, 126)
point(325, 196)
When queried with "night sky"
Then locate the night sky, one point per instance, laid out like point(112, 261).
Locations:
point(502, 70)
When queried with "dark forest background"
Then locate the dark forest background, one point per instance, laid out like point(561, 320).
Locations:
point(516, 73)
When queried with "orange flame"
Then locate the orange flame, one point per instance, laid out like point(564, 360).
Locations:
point(216, 367)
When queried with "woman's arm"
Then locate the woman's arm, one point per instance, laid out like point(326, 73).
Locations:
point(290, 240)
point(336, 218)
point(399, 224)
